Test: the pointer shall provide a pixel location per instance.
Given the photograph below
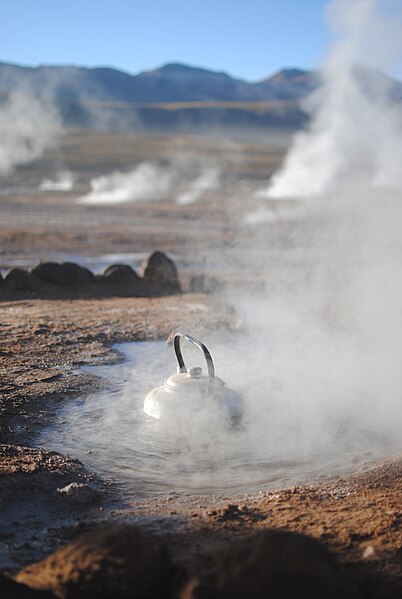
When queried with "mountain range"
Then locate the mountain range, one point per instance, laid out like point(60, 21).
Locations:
point(168, 96)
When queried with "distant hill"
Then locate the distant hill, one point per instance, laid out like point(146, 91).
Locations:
point(169, 83)
point(169, 96)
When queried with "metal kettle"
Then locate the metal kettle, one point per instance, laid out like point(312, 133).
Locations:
point(190, 391)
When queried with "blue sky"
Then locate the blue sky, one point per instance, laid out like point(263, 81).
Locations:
point(249, 39)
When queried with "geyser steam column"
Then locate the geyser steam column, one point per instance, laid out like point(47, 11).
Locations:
point(28, 127)
point(329, 318)
point(355, 131)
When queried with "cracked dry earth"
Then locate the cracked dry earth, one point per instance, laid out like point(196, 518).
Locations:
point(48, 500)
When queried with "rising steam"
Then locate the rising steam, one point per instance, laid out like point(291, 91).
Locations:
point(27, 128)
point(353, 137)
point(64, 181)
point(330, 319)
point(146, 181)
point(150, 181)
point(208, 180)
point(317, 360)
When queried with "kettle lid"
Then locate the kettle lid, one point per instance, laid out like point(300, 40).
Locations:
point(193, 380)
point(192, 376)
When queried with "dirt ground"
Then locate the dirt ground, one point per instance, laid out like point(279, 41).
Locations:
point(43, 343)
point(48, 499)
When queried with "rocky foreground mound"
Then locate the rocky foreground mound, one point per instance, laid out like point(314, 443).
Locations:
point(125, 561)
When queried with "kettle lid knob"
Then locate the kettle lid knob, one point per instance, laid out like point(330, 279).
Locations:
point(195, 372)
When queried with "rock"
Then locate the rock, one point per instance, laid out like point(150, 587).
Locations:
point(66, 274)
point(2, 283)
point(9, 589)
point(273, 563)
point(19, 279)
point(161, 271)
point(204, 284)
point(120, 275)
point(77, 276)
point(50, 272)
point(115, 562)
point(79, 492)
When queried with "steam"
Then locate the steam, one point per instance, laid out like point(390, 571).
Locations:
point(326, 328)
point(150, 181)
point(353, 135)
point(27, 128)
point(146, 181)
point(317, 355)
point(209, 180)
point(64, 181)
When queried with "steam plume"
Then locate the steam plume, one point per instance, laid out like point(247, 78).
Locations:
point(329, 319)
point(146, 181)
point(64, 181)
point(149, 181)
point(27, 128)
point(353, 128)
point(208, 180)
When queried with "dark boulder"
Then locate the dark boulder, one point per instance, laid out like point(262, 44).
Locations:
point(161, 272)
point(120, 275)
point(273, 563)
point(66, 274)
point(50, 272)
point(115, 562)
point(19, 279)
point(2, 282)
point(204, 284)
point(78, 276)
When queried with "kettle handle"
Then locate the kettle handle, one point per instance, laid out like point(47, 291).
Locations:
point(208, 358)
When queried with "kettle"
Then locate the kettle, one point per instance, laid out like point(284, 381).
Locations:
point(190, 391)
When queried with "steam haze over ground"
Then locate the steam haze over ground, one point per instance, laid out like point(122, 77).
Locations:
point(63, 181)
point(150, 181)
point(317, 354)
point(329, 322)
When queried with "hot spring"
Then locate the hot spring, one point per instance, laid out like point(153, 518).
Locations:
point(273, 447)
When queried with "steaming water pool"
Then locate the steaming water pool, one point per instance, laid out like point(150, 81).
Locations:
point(109, 432)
